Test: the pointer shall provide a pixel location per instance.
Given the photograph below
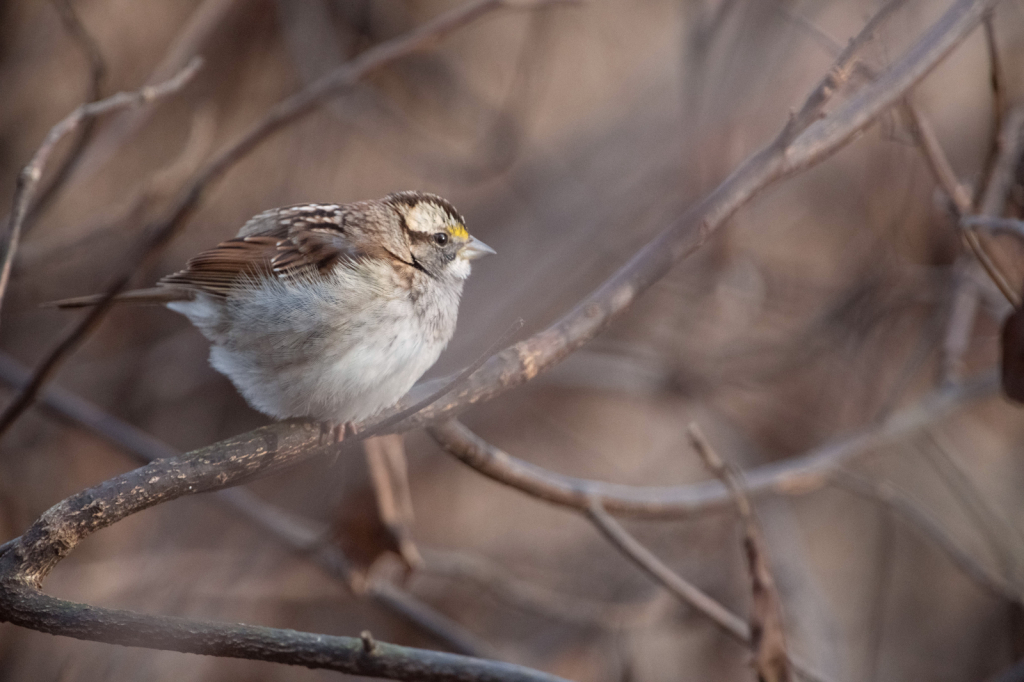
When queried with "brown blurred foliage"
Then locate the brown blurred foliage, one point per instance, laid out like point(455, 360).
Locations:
point(568, 137)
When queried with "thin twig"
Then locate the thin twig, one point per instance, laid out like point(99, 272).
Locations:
point(30, 175)
point(798, 475)
point(937, 160)
point(1002, 537)
point(689, 594)
point(195, 35)
point(89, 47)
point(385, 459)
point(460, 567)
point(997, 80)
point(1014, 226)
point(97, 74)
point(1008, 148)
point(767, 632)
point(886, 493)
point(965, 297)
point(1011, 143)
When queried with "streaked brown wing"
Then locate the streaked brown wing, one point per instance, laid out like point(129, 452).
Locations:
point(218, 270)
point(290, 243)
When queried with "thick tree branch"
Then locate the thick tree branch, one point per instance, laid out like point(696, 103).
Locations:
point(300, 535)
point(308, 541)
point(24, 605)
point(26, 561)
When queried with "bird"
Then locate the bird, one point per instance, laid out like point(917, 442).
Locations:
point(326, 311)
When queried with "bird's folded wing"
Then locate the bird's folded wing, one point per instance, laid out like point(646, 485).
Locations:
point(293, 243)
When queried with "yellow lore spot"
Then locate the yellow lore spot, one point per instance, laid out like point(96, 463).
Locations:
point(458, 230)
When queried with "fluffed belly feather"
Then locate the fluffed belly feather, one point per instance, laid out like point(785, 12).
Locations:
point(290, 353)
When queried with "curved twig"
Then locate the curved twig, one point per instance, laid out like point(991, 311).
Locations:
point(458, 567)
point(30, 175)
point(97, 74)
point(884, 492)
point(685, 591)
point(647, 561)
point(792, 476)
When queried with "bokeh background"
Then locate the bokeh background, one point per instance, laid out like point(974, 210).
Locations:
point(568, 137)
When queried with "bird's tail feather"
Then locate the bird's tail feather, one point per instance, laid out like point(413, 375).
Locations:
point(153, 296)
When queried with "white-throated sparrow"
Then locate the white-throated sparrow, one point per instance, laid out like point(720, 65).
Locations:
point(326, 311)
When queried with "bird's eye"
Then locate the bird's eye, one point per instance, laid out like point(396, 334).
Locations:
point(440, 238)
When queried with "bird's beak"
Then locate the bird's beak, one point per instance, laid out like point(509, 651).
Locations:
point(474, 249)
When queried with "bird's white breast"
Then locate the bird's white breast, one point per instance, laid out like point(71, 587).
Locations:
point(336, 349)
